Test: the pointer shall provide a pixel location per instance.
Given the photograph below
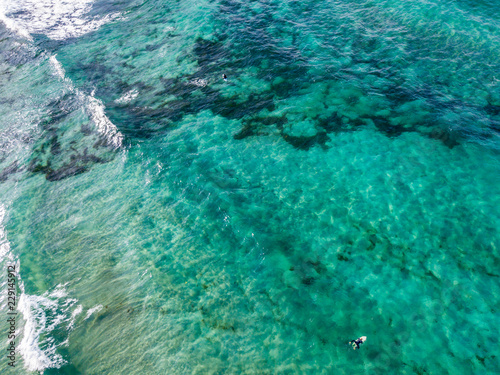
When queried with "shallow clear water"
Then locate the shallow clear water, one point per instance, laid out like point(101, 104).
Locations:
point(343, 182)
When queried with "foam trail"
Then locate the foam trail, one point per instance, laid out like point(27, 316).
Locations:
point(5, 253)
point(93, 310)
point(56, 65)
point(74, 314)
point(95, 111)
point(5, 257)
point(127, 97)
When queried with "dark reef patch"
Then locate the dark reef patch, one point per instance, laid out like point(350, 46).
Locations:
point(305, 143)
point(288, 73)
point(208, 55)
point(385, 127)
point(448, 138)
point(64, 172)
point(61, 152)
point(11, 169)
point(492, 109)
point(332, 123)
point(256, 125)
point(244, 42)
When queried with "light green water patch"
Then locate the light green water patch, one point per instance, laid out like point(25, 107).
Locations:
point(412, 219)
point(207, 254)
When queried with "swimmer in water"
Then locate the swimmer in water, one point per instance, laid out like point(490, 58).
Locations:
point(356, 343)
point(225, 77)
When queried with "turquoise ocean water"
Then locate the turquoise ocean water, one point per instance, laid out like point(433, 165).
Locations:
point(344, 181)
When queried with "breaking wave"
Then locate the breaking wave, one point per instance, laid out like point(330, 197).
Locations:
point(57, 19)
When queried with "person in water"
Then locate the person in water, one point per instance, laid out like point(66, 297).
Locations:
point(224, 76)
point(356, 343)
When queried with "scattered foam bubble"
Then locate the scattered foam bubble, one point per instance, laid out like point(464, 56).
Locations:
point(199, 82)
point(58, 19)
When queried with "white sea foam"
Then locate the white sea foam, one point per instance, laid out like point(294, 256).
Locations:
point(199, 82)
point(127, 97)
point(93, 310)
point(95, 111)
point(56, 65)
point(58, 19)
point(18, 29)
point(42, 315)
point(5, 253)
point(5, 256)
point(74, 314)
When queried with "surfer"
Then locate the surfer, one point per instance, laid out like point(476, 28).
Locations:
point(356, 343)
point(225, 77)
